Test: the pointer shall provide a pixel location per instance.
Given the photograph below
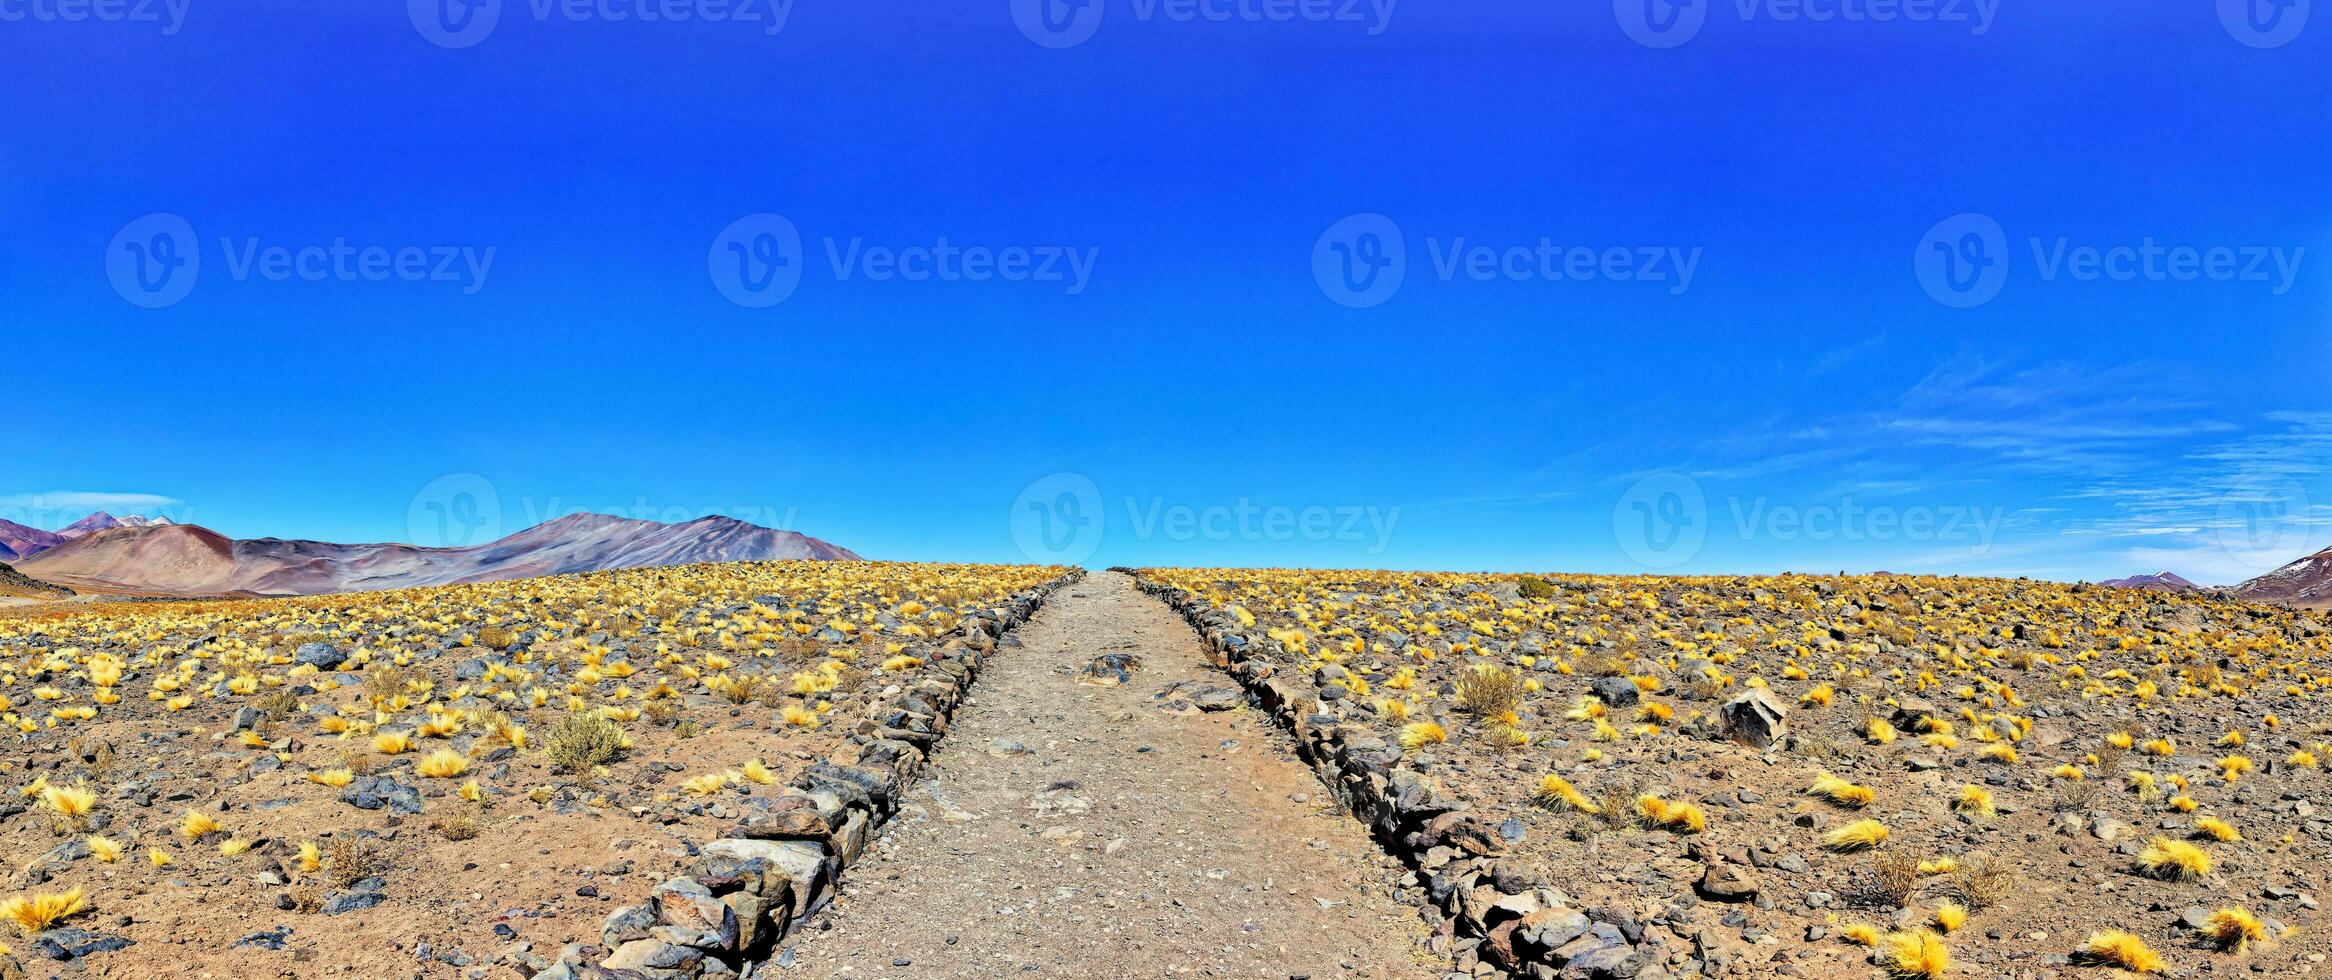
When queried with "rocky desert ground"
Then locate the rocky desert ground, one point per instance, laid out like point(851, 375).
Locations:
point(868, 770)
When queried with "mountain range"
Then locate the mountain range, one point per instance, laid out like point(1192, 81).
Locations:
point(157, 557)
point(2157, 582)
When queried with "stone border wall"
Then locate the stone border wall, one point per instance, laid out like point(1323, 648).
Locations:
point(1499, 920)
point(777, 866)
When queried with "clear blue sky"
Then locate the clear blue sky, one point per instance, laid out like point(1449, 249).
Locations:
point(1804, 387)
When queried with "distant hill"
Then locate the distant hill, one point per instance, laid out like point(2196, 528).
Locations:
point(2306, 582)
point(15, 585)
point(18, 541)
point(2158, 582)
point(185, 559)
point(102, 521)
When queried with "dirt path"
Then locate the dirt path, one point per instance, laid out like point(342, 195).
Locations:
point(1127, 841)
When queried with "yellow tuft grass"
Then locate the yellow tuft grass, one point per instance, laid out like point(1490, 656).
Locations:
point(1861, 835)
point(392, 743)
point(1860, 934)
point(1553, 790)
point(1877, 731)
point(1841, 792)
point(1421, 734)
point(195, 825)
point(1976, 801)
point(2216, 829)
point(104, 848)
point(38, 911)
point(1950, 916)
point(1917, 955)
point(1682, 818)
point(2173, 860)
point(2114, 947)
point(2233, 928)
point(334, 778)
point(442, 764)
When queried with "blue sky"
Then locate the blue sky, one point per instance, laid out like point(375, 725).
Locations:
point(1818, 395)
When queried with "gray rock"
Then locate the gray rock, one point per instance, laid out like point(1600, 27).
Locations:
point(351, 901)
point(322, 656)
point(1755, 719)
point(70, 943)
point(1618, 692)
point(378, 792)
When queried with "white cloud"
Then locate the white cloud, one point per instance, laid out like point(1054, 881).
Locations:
point(88, 500)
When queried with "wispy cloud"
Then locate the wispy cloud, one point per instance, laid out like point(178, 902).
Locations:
point(88, 500)
point(1843, 356)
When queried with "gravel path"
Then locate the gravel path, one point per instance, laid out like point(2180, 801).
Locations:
point(1128, 840)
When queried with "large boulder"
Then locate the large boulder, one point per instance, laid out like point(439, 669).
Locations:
point(1755, 719)
point(1617, 692)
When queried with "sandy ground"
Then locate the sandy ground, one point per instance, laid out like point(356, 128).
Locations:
point(1126, 841)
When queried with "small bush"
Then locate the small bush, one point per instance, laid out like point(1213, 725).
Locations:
point(496, 638)
point(583, 741)
point(458, 827)
point(353, 859)
point(1887, 882)
point(1490, 692)
point(1538, 588)
point(1982, 882)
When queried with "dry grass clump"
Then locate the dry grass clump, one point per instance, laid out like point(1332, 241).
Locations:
point(1982, 882)
point(1861, 835)
point(1490, 692)
point(2173, 860)
point(2216, 829)
point(351, 860)
point(2233, 929)
point(1554, 791)
point(2116, 948)
point(1917, 955)
point(1659, 814)
point(458, 827)
point(583, 741)
point(37, 912)
point(1887, 882)
point(1840, 792)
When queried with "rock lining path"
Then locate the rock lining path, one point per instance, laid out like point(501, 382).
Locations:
point(1127, 841)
